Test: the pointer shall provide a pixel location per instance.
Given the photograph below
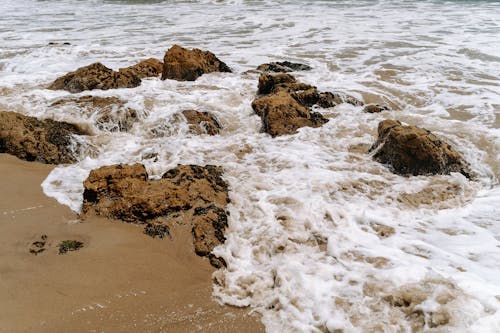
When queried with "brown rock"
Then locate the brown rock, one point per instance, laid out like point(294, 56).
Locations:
point(147, 68)
point(201, 122)
point(112, 115)
point(46, 141)
point(412, 150)
point(188, 194)
point(331, 99)
point(269, 83)
point(187, 65)
point(95, 76)
point(283, 67)
point(281, 114)
point(375, 108)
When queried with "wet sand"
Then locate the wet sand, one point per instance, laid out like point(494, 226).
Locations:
point(120, 281)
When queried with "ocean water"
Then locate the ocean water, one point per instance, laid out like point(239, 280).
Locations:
point(321, 238)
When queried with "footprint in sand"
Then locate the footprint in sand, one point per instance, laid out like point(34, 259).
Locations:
point(39, 246)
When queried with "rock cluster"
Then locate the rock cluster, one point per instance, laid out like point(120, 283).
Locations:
point(47, 141)
point(284, 104)
point(188, 194)
point(98, 76)
point(187, 65)
point(411, 150)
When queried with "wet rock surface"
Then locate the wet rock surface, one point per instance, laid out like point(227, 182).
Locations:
point(147, 68)
point(109, 113)
point(46, 141)
point(375, 108)
point(201, 122)
point(411, 150)
point(281, 114)
point(95, 76)
point(188, 194)
point(187, 65)
point(283, 67)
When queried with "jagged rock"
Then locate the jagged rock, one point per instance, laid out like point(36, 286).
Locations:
point(111, 114)
point(281, 114)
point(283, 67)
point(269, 83)
point(304, 93)
point(201, 122)
point(375, 108)
point(47, 141)
point(147, 68)
point(187, 65)
point(69, 245)
point(195, 195)
point(411, 150)
point(95, 76)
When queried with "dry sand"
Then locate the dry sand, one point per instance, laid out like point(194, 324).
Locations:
point(120, 281)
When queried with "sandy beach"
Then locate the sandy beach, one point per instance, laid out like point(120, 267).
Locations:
point(120, 281)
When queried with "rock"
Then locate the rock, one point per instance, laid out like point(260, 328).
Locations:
point(187, 65)
point(281, 114)
point(283, 67)
point(38, 246)
point(111, 114)
point(411, 150)
point(194, 195)
point(331, 99)
point(46, 141)
point(95, 76)
point(375, 108)
point(69, 245)
point(201, 122)
point(147, 68)
point(269, 83)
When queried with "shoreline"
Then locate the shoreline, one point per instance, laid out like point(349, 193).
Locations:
point(120, 280)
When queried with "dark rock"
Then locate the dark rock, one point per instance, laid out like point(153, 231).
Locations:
point(281, 114)
point(415, 151)
point(46, 141)
point(187, 65)
point(195, 194)
point(375, 108)
point(331, 99)
point(283, 67)
point(95, 76)
point(201, 122)
point(112, 115)
point(69, 245)
point(147, 68)
point(38, 246)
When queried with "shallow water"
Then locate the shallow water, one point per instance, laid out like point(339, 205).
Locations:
point(304, 246)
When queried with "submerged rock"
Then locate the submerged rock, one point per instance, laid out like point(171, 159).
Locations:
point(283, 67)
point(109, 113)
point(187, 65)
point(201, 122)
point(46, 141)
point(375, 108)
point(281, 114)
point(95, 76)
point(147, 68)
point(411, 150)
point(195, 195)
